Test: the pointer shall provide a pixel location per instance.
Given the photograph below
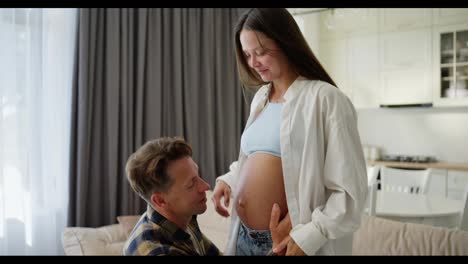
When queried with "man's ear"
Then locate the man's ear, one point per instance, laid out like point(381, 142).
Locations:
point(158, 199)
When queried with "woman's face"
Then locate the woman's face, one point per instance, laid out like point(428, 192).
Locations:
point(263, 55)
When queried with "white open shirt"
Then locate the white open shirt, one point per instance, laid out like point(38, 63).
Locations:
point(323, 167)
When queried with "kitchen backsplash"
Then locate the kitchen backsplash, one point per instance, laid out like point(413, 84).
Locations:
point(417, 131)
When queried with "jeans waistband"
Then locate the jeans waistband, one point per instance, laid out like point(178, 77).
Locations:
point(263, 235)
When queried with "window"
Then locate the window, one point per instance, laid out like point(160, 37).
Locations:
point(36, 47)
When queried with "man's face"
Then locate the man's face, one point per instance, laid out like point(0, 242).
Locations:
point(186, 196)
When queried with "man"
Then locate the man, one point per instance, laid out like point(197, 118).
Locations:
point(163, 173)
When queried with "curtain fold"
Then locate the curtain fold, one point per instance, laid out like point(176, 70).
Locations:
point(142, 74)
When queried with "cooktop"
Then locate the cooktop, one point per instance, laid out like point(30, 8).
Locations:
point(408, 158)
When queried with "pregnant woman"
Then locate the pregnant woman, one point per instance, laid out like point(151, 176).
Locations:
point(300, 148)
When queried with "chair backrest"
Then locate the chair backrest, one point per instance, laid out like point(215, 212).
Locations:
point(372, 198)
point(372, 185)
point(404, 180)
point(463, 223)
point(372, 173)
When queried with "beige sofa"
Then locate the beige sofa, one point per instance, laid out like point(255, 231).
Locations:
point(109, 240)
point(376, 236)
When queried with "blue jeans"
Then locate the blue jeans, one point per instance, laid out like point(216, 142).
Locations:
point(253, 242)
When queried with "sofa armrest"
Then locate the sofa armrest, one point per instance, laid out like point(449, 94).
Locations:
point(106, 240)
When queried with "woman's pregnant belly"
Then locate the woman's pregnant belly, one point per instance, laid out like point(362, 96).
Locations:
point(260, 186)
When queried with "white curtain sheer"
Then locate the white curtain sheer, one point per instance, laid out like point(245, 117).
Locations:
point(36, 65)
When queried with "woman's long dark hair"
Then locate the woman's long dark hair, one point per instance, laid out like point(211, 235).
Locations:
point(278, 25)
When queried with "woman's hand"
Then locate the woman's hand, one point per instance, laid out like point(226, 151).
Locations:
point(221, 190)
point(293, 249)
point(279, 230)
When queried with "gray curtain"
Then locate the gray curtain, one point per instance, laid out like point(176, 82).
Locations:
point(142, 74)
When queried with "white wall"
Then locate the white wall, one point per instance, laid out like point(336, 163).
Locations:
point(417, 131)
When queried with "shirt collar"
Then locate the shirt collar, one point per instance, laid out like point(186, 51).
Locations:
point(157, 218)
point(292, 91)
point(294, 88)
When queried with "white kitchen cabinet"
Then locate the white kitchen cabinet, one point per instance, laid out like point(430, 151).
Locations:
point(404, 19)
point(353, 65)
point(363, 71)
point(409, 66)
point(405, 65)
point(341, 23)
point(448, 16)
point(448, 183)
point(334, 58)
point(309, 25)
point(331, 25)
point(437, 184)
point(457, 180)
point(450, 68)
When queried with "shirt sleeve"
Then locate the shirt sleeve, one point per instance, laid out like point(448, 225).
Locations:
point(152, 248)
point(228, 178)
point(344, 178)
point(233, 168)
point(210, 248)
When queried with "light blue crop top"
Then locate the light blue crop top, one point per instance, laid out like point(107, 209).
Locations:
point(263, 135)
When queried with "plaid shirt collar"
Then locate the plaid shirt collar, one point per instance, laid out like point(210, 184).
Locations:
point(177, 233)
point(156, 235)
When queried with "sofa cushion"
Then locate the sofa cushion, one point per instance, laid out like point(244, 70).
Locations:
point(128, 222)
point(378, 236)
point(106, 240)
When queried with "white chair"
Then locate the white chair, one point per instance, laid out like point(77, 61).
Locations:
point(403, 180)
point(372, 199)
point(372, 173)
point(372, 185)
point(463, 222)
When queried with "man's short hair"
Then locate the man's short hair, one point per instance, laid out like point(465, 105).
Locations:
point(146, 168)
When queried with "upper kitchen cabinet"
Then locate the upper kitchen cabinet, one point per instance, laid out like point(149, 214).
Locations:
point(448, 16)
point(346, 22)
point(334, 58)
point(397, 57)
point(405, 67)
point(353, 65)
point(450, 70)
point(364, 75)
point(403, 19)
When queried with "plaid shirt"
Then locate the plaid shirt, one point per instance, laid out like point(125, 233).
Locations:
point(154, 235)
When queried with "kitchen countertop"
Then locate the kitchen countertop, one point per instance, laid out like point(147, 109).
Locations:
point(434, 165)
